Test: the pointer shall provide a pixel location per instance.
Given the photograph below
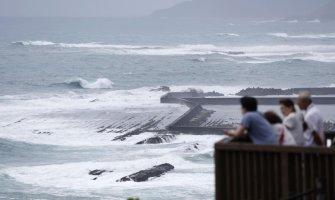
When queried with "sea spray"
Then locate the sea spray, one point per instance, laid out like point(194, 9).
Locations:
point(100, 83)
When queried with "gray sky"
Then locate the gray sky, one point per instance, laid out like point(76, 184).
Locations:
point(82, 8)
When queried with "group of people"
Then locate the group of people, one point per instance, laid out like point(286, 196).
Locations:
point(304, 128)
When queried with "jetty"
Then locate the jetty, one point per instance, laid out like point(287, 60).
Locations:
point(207, 111)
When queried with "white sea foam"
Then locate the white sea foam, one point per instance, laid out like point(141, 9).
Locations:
point(64, 175)
point(34, 43)
point(256, 52)
point(73, 119)
point(128, 161)
point(283, 35)
point(317, 58)
point(201, 59)
point(286, 53)
point(292, 21)
point(314, 21)
point(101, 45)
point(304, 36)
point(228, 34)
point(100, 83)
point(226, 90)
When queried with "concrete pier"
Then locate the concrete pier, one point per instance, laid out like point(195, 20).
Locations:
point(198, 119)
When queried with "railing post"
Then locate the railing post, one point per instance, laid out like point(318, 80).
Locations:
point(320, 188)
point(303, 170)
point(284, 174)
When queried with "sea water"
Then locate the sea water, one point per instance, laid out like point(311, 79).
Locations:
point(62, 79)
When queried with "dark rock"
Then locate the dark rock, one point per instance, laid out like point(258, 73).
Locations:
point(97, 172)
point(144, 175)
point(213, 93)
point(161, 88)
point(193, 147)
point(19, 121)
point(272, 91)
point(262, 92)
point(157, 139)
point(195, 92)
point(42, 132)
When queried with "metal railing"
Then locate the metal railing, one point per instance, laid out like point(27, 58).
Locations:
point(261, 172)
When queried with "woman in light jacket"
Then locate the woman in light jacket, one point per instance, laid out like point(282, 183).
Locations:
point(293, 121)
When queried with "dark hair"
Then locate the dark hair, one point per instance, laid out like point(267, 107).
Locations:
point(272, 117)
point(287, 103)
point(249, 103)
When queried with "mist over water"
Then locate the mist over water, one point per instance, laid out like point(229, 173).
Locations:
point(64, 79)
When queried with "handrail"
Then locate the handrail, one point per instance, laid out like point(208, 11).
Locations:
point(222, 145)
point(253, 172)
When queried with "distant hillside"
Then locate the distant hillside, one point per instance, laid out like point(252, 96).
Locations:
point(242, 9)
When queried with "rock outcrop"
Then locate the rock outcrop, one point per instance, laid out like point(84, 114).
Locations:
point(98, 172)
point(144, 175)
point(158, 139)
point(273, 91)
point(193, 147)
point(161, 88)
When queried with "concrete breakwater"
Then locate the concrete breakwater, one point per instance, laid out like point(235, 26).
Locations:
point(203, 106)
point(272, 91)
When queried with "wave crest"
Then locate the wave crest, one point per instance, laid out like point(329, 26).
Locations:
point(34, 43)
point(304, 36)
point(253, 53)
point(100, 83)
point(228, 34)
point(314, 21)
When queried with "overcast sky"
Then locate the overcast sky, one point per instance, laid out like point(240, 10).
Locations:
point(82, 8)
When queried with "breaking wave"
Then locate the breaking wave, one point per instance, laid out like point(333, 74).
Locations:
point(34, 43)
point(252, 53)
point(292, 21)
point(305, 36)
point(228, 34)
point(291, 59)
point(314, 21)
point(201, 59)
point(100, 83)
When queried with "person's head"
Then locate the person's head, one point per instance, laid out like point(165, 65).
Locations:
point(304, 100)
point(273, 118)
point(249, 104)
point(286, 106)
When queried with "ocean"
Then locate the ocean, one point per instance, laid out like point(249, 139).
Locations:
point(64, 79)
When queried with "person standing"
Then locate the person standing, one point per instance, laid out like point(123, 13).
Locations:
point(314, 134)
point(284, 137)
point(292, 120)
